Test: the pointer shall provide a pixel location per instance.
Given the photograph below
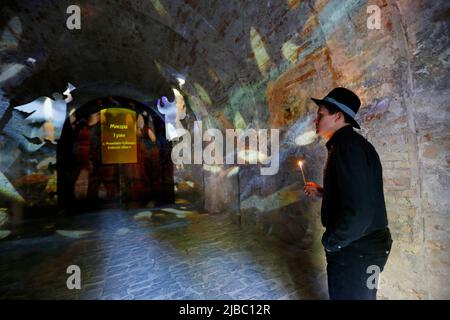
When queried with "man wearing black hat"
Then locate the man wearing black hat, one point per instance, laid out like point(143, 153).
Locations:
point(357, 240)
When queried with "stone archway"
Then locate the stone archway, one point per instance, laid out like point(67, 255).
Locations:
point(86, 181)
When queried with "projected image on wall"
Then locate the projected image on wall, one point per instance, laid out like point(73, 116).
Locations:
point(118, 132)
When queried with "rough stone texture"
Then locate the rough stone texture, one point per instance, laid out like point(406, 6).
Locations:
point(255, 65)
point(222, 194)
point(3, 217)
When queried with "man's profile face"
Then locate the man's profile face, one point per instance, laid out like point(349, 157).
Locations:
point(325, 122)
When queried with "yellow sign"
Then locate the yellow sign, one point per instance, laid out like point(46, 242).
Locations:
point(118, 136)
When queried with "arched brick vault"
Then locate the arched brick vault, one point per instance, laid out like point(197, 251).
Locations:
point(255, 64)
point(117, 44)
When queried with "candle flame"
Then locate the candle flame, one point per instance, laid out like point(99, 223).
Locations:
point(300, 163)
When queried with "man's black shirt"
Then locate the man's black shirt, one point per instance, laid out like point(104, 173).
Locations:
point(353, 202)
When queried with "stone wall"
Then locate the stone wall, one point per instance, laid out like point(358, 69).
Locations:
point(401, 74)
point(254, 65)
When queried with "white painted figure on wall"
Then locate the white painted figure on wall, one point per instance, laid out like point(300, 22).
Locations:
point(173, 112)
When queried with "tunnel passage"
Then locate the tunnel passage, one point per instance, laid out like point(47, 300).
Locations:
point(251, 66)
point(100, 165)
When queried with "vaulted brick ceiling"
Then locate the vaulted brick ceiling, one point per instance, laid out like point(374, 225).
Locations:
point(120, 41)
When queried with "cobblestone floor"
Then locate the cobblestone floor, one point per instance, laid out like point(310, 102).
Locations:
point(157, 255)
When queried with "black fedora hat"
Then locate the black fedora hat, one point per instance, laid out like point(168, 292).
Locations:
point(344, 100)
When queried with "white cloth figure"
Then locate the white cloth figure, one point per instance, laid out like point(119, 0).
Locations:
point(51, 112)
point(173, 113)
point(70, 88)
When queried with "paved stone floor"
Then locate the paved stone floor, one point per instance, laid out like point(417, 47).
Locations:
point(176, 253)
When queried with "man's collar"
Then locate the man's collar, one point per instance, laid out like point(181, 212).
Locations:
point(337, 134)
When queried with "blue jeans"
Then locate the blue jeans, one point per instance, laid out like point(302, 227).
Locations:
point(354, 270)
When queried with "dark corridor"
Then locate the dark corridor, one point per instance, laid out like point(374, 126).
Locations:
point(86, 181)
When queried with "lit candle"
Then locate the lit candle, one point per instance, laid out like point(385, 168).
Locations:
point(300, 163)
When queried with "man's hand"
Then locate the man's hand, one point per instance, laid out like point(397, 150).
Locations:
point(312, 189)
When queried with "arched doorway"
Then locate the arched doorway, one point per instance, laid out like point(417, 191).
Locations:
point(113, 153)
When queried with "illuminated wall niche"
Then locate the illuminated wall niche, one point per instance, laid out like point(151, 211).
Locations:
point(118, 136)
